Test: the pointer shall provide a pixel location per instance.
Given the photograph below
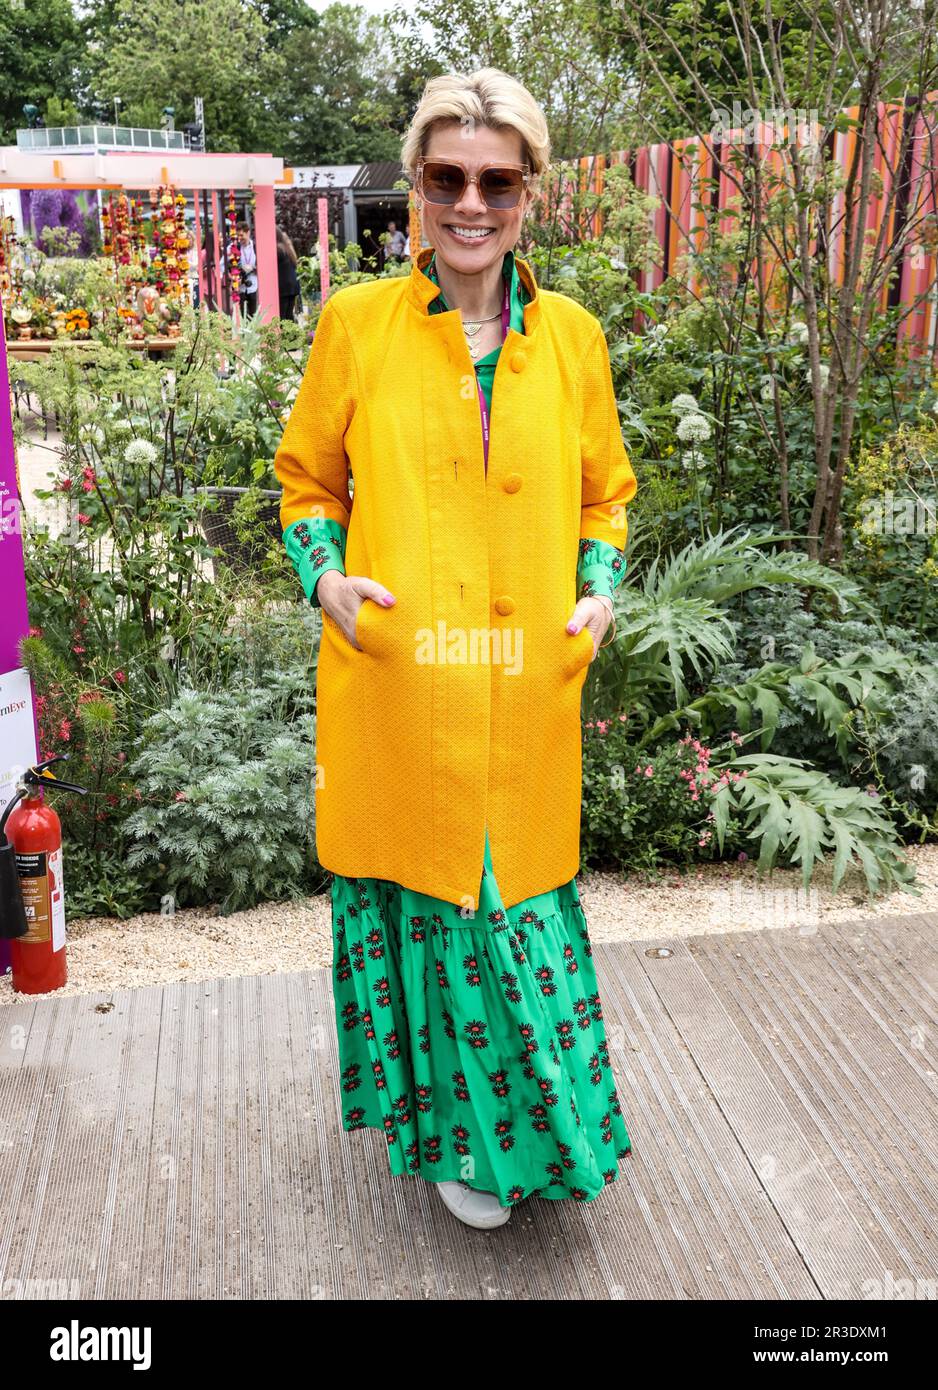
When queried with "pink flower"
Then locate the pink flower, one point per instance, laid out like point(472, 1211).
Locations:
point(79, 650)
point(122, 757)
point(742, 856)
point(65, 485)
point(649, 771)
point(181, 796)
point(623, 718)
point(602, 725)
point(35, 632)
point(65, 731)
point(120, 677)
point(84, 518)
point(88, 485)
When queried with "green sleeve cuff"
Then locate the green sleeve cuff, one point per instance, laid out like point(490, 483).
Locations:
point(599, 570)
point(314, 546)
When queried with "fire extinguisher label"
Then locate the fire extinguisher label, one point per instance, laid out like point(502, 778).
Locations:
point(56, 898)
point(40, 875)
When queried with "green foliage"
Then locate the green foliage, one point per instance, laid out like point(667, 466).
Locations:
point(40, 46)
point(639, 812)
point(891, 522)
point(797, 815)
point(227, 782)
point(98, 883)
point(674, 628)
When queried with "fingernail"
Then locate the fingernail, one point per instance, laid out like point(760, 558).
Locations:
point(572, 627)
point(388, 598)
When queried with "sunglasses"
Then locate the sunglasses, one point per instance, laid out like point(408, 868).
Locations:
point(444, 181)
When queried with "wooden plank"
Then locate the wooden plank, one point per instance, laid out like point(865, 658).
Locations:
point(187, 1143)
point(863, 1094)
point(710, 1225)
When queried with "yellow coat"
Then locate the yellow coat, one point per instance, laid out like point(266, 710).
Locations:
point(462, 710)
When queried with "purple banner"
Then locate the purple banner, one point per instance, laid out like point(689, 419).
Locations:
point(14, 618)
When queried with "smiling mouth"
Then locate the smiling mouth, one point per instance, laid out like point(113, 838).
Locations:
point(469, 234)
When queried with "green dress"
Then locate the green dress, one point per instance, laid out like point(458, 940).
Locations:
point(475, 1043)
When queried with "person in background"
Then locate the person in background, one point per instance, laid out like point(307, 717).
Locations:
point(248, 269)
point(394, 247)
point(288, 284)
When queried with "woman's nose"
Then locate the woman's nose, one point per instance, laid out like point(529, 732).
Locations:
point(471, 201)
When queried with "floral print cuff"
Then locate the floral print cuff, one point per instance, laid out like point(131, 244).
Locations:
point(314, 546)
point(599, 569)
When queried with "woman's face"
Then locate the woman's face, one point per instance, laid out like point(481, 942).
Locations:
point(451, 140)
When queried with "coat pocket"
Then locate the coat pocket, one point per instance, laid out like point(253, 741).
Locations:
point(361, 622)
point(579, 652)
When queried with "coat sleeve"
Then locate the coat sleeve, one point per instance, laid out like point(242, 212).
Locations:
point(609, 483)
point(311, 461)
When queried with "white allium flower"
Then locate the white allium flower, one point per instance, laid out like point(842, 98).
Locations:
point(825, 374)
point(685, 404)
point(140, 451)
point(799, 333)
point(693, 429)
point(121, 426)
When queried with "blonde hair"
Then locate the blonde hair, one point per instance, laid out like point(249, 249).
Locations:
point(487, 97)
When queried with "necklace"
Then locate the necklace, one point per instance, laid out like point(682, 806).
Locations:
point(471, 328)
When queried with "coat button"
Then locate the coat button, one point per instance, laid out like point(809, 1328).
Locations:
point(504, 605)
point(513, 482)
point(518, 360)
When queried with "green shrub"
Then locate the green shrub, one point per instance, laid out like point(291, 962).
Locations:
point(226, 785)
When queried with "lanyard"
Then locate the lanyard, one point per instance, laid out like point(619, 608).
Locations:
point(483, 408)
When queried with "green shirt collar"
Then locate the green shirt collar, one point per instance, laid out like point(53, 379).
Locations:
point(517, 294)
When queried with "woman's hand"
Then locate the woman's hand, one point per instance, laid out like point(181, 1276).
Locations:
point(594, 613)
point(341, 596)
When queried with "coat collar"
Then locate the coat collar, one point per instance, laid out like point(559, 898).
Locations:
point(421, 289)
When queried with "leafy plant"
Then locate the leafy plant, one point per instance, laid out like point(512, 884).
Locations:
point(227, 783)
point(798, 815)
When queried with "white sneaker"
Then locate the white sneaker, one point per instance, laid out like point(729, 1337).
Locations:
point(480, 1209)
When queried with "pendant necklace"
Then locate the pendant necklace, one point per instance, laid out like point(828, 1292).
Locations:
point(471, 328)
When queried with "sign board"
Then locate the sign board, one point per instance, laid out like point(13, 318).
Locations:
point(17, 731)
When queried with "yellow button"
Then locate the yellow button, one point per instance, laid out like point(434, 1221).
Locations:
point(513, 482)
point(504, 605)
point(518, 360)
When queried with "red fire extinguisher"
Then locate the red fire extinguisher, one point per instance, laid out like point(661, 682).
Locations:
point(34, 898)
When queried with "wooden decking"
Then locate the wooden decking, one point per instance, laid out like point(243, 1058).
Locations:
point(779, 1089)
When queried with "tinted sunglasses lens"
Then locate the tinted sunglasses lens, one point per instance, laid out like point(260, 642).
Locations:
point(501, 188)
point(442, 183)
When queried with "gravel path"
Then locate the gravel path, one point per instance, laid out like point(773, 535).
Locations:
point(198, 944)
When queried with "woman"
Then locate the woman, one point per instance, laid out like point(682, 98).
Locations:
point(454, 650)
point(287, 282)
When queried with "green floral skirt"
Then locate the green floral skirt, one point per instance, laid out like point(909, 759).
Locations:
point(476, 1045)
